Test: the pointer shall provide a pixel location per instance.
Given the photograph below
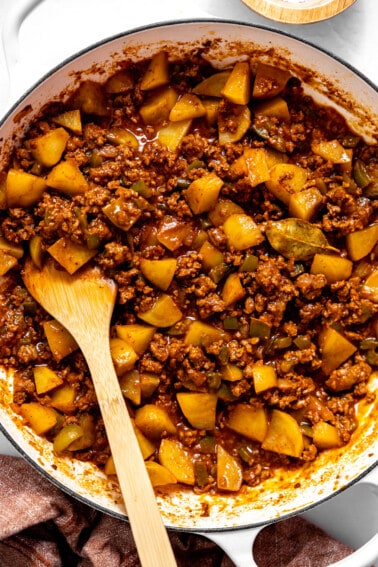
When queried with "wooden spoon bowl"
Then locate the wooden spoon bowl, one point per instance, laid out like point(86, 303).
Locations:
point(298, 11)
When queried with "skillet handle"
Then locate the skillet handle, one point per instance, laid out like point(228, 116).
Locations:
point(237, 544)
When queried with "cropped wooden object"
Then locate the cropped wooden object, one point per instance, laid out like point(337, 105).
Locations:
point(83, 303)
point(295, 12)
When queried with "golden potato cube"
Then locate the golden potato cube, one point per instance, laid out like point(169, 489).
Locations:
point(7, 262)
point(200, 333)
point(211, 106)
point(361, 242)
point(284, 435)
point(67, 435)
point(158, 105)
point(239, 115)
point(256, 165)
point(332, 151)
point(154, 421)
point(45, 379)
point(159, 272)
point(285, 180)
point(264, 377)
point(23, 189)
point(148, 383)
point(335, 349)
point(63, 398)
point(122, 137)
point(61, 342)
point(120, 82)
point(229, 471)
point(157, 72)
point(15, 250)
point(273, 157)
point(276, 106)
point(187, 106)
point(213, 85)
point(325, 435)
point(123, 355)
point(198, 408)
point(138, 336)
point(67, 178)
point(238, 85)
point(305, 204)
point(109, 468)
point(159, 475)
point(248, 421)
point(71, 119)
point(178, 460)
point(90, 99)
point(370, 287)
point(172, 232)
point(242, 232)
point(211, 256)
point(48, 148)
point(164, 312)
point(70, 255)
point(36, 250)
point(232, 373)
point(86, 422)
point(334, 268)
point(130, 386)
point(269, 81)
point(172, 134)
point(40, 418)
point(233, 290)
point(202, 193)
point(146, 446)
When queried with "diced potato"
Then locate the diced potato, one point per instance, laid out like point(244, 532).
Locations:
point(172, 134)
point(331, 151)
point(164, 312)
point(269, 81)
point(157, 72)
point(63, 398)
point(71, 119)
point(188, 106)
point(242, 232)
point(147, 447)
point(130, 386)
point(211, 106)
point(305, 204)
point(148, 383)
point(86, 422)
point(120, 82)
point(70, 255)
point(48, 148)
point(233, 290)
point(23, 189)
point(238, 115)
point(61, 342)
point(158, 105)
point(256, 165)
point(264, 377)
point(334, 268)
point(178, 460)
point(7, 262)
point(325, 435)
point(123, 214)
point(213, 85)
point(211, 256)
point(159, 272)
point(222, 210)
point(276, 106)
point(370, 287)
point(200, 333)
point(335, 349)
point(285, 180)
point(202, 193)
point(248, 421)
point(36, 250)
point(109, 468)
point(172, 232)
point(238, 85)
point(198, 408)
point(90, 99)
point(284, 435)
point(67, 178)
point(229, 471)
point(273, 157)
point(154, 421)
point(138, 336)
point(123, 355)
point(67, 435)
point(40, 418)
point(45, 379)
point(232, 373)
point(159, 475)
point(361, 242)
point(122, 137)
point(15, 250)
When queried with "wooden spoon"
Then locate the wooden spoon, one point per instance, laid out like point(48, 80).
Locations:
point(83, 304)
point(298, 11)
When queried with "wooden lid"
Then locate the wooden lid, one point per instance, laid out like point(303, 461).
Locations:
point(298, 11)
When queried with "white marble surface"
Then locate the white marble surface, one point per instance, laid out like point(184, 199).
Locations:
point(57, 29)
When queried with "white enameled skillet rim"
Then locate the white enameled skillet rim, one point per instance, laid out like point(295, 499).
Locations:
point(164, 24)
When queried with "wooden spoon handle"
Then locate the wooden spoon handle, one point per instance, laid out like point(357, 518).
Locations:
point(149, 533)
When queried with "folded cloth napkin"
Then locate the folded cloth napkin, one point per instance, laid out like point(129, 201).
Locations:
point(41, 526)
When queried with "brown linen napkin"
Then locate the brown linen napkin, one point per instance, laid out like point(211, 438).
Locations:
point(41, 526)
